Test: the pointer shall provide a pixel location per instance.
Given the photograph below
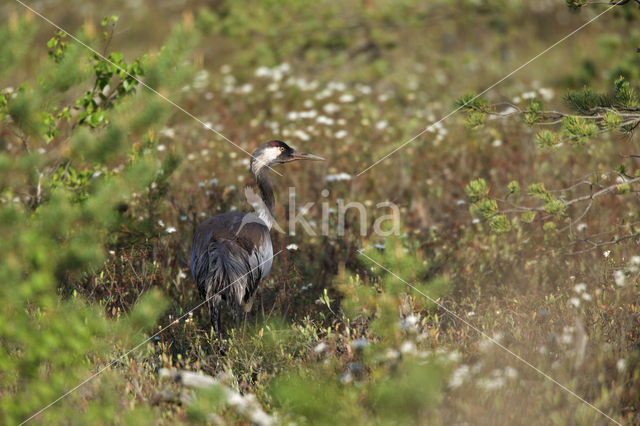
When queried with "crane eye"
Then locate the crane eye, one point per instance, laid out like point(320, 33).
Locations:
point(281, 148)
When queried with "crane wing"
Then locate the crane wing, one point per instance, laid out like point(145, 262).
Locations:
point(231, 254)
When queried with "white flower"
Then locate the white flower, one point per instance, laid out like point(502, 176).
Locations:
point(167, 132)
point(301, 134)
point(322, 119)
point(292, 247)
point(459, 375)
point(338, 177)
point(320, 347)
point(579, 288)
point(492, 384)
point(293, 115)
point(619, 278)
point(409, 322)
point(331, 108)
point(547, 94)
point(284, 67)
point(381, 125)
point(340, 134)
point(262, 72)
point(510, 372)
point(346, 98)
point(323, 94)
point(246, 88)
point(408, 347)
point(484, 345)
point(454, 356)
point(161, 223)
point(392, 354)
point(201, 79)
point(365, 90)
point(581, 227)
point(308, 103)
point(621, 365)
point(171, 230)
point(606, 253)
point(337, 86)
point(574, 301)
point(635, 260)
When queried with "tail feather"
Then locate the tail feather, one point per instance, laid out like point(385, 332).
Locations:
point(229, 271)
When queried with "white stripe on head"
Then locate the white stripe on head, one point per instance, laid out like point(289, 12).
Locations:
point(265, 157)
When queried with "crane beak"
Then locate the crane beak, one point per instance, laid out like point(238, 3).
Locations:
point(297, 155)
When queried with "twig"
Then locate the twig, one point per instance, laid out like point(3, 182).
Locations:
point(604, 191)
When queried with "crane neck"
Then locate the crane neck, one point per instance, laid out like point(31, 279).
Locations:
point(263, 180)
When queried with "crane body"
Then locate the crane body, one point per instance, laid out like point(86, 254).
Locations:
point(232, 252)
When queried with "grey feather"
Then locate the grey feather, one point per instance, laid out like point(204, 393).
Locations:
point(231, 254)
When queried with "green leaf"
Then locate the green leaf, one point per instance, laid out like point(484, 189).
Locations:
point(556, 208)
point(623, 188)
point(500, 224)
point(533, 113)
point(575, 4)
point(514, 187)
point(477, 190)
point(537, 190)
point(529, 216)
point(476, 120)
point(469, 102)
point(625, 95)
point(586, 100)
point(547, 139)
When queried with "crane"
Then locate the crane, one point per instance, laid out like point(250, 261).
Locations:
point(232, 252)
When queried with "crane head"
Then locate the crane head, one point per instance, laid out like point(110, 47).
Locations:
point(277, 152)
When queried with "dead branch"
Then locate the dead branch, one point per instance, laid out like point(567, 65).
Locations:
point(245, 405)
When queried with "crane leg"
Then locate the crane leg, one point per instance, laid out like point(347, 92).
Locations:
point(244, 324)
point(235, 313)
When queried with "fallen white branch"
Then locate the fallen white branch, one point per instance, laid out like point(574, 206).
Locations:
point(245, 405)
